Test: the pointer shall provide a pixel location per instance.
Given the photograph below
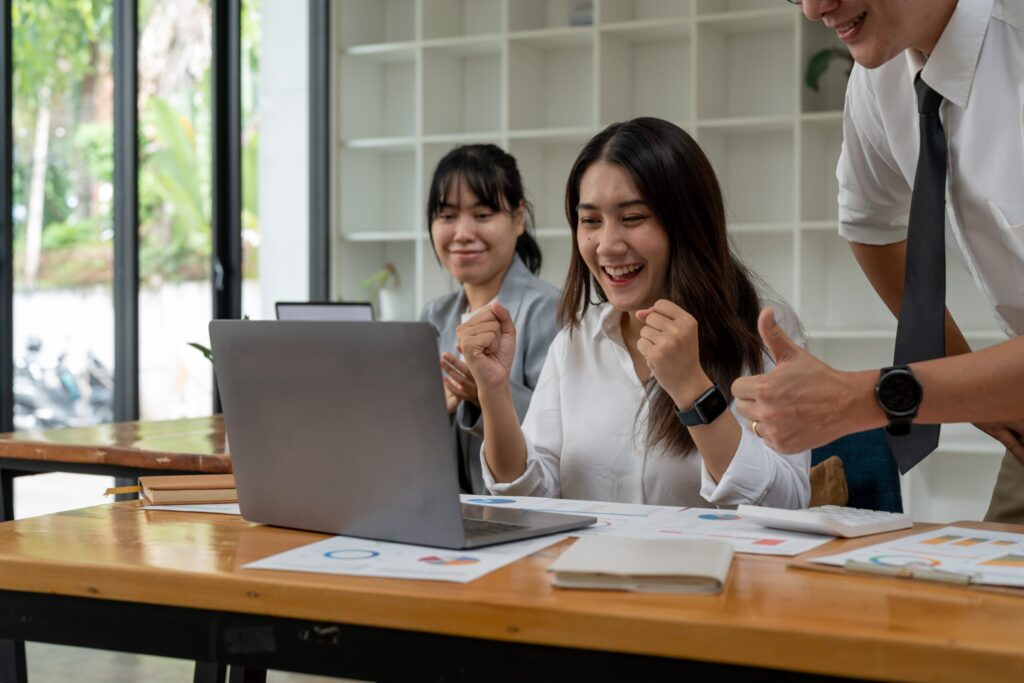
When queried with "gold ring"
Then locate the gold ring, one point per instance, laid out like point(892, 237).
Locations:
point(753, 428)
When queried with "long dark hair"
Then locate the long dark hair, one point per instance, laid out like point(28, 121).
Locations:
point(705, 277)
point(492, 175)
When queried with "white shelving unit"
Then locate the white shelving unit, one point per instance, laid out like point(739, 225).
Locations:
point(413, 78)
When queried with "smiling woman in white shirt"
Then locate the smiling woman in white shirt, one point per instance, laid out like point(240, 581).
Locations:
point(632, 404)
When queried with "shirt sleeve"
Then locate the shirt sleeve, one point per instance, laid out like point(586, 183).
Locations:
point(542, 430)
point(874, 196)
point(757, 474)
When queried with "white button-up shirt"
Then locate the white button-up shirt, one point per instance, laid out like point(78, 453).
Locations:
point(978, 67)
point(585, 439)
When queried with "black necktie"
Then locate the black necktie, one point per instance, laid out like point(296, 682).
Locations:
point(920, 334)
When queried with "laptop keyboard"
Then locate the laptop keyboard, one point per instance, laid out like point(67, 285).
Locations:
point(480, 527)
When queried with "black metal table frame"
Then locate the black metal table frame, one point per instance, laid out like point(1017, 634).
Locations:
point(250, 644)
point(16, 467)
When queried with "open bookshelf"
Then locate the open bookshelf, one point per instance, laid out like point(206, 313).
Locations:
point(413, 78)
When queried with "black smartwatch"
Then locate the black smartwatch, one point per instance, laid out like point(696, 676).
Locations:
point(705, 409)
point(899, 393)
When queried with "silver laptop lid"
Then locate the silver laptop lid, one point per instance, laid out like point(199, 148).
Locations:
point(325, 436)
point(324, 310)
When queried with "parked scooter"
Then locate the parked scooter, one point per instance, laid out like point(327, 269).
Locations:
point(47, 397)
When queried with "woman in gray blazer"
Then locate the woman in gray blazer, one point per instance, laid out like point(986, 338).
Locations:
point(478, 220)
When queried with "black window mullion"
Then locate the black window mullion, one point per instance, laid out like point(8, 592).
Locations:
point(227, 159)
point(126, 211)
point(6, 222)
point(319, 150)
point(227, 163)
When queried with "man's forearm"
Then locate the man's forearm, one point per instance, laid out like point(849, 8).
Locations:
point(983, 386)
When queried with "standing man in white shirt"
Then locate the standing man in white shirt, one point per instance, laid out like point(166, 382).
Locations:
point(944, 79)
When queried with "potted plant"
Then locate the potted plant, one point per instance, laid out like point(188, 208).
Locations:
point(382, 288)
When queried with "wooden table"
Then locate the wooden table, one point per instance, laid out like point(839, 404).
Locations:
point(171, 583)
point(124, 449)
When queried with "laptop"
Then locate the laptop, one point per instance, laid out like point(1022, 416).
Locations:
point(342, 428)
point(324, 310)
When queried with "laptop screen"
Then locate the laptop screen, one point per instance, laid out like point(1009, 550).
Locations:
point(346, 311)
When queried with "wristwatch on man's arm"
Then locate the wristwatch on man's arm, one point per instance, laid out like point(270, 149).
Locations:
point(899, 393)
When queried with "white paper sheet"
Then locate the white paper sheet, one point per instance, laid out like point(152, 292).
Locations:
point(986, 557)
point(655, 521)
point(746, 537)
point(611, 517)
point(216, 508)
point(360, 557)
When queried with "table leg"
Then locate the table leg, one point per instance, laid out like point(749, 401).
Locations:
point(6, 495)
point(125, 481)
point(241, 674)
point(209, 672)
point(12, 662)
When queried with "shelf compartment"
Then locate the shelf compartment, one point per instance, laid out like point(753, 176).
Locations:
point(835, 294)
point(851, 354)
point(375, 21)
point(530, 15)
point(556, 252)
point(637, 63)
point(755, 169)
point(448, 18)
point(357, 261)
point(551, 82)
point(544, 166)
point(770, 256)
point(746, 65)
point(819, 188)
point(462, 88)
point(376, 94)
point(613, 11)
point(747, 15)
point(831, 94)
point(374, 196)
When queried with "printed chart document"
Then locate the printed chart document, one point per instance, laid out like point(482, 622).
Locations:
point(655, 521)
point(953, 554)
point(611, 517)
point(726, 525)
point(361, 557)
point(658, 565)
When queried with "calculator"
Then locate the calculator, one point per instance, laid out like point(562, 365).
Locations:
point(830, 520)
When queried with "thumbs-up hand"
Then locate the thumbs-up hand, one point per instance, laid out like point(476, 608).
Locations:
point(488, 343)
point(800, 403)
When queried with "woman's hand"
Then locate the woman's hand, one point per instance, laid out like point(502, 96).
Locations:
point(458, 380)
point(451, 401)
point(668, 342)
point(488, 344)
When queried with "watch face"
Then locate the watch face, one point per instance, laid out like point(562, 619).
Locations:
point(713, 404)
point(899, 392)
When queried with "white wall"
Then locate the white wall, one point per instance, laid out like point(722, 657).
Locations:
point(283, 156)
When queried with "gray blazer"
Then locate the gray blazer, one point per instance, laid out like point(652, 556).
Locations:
point(533, 305)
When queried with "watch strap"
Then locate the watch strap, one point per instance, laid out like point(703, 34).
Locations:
point(705, 409)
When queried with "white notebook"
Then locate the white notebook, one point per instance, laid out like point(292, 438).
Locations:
point(674, 565)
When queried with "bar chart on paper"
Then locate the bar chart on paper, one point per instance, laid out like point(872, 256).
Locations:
point(987, 557)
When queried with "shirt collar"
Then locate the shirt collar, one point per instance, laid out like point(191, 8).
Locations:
point(609, 322)
point(950, 68)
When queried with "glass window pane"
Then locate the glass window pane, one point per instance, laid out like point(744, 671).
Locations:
point(252, 34)
point(63, 212)
point(175, 299)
